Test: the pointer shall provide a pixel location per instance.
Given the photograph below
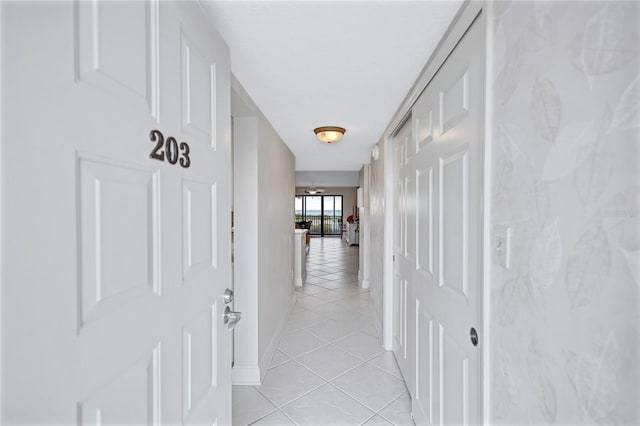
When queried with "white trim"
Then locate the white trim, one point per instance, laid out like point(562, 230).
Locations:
point(485, 306)
point(377, 323)
point(387, 267)
point(365, 228)
point(253, 375)
point(249, 375)
point(459, 25)
point(1, 219)
point(267, 357)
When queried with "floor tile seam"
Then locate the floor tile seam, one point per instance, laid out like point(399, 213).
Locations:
point(293, 357)
point(281, 363)
point(354, 399)
point(334, 378)
point(264, 415)
point(361, 402)
point(288, 417)
point(280, 406)
point(303, 328)
point(356, 308)
point(367, 420)
point(359, 364)
point(379, 413)
point(386, 371)
point(276, 410)
point(365, 360)
point(359, 359)
point(293, 331)
point(305, 316)
point(314, 304)
point(329, 341)
point(344, 337)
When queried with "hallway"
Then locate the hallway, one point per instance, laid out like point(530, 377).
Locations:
point(330, 367)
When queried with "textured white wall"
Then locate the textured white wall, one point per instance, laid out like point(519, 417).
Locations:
point(564, 318)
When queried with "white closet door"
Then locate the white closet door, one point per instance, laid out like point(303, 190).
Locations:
point(404, 234)
point(114, 263)
point(447, 123)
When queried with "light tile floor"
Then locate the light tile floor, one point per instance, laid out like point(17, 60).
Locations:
point(329, 368)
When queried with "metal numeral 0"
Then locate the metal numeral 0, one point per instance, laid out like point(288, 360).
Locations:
point(171, 149)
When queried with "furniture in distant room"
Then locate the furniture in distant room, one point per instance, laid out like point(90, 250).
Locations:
point(353, 234)
point(300, 257)
point(305, 225)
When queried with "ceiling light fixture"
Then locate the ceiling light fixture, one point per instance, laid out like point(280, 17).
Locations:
point(329, 134)
point(313, 190)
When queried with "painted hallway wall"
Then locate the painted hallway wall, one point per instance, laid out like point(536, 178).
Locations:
point(376, 227)
point(564, 318)
point(275, 215)
point(264, 184)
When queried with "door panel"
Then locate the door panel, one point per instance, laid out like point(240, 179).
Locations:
point(198, 77)
point(132, 398)
point(198, 220)
point(118, 236)
point(113, 285)
point(453, 196)
point(199, 369)
point(446, 281)
point(117, 47)
point(424, 374)
point(424, 221)
point(404, 248)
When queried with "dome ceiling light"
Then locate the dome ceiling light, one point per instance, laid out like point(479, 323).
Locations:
point(313, 190)
point(329, 134)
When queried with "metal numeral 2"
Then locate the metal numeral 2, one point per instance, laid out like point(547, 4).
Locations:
point(169, 150)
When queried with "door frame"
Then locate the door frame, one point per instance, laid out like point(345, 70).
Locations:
point(468, 13)
point(2, 142)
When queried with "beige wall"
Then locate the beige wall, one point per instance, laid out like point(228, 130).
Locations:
point(376, 224)
point(264, 184)
point(275, 217)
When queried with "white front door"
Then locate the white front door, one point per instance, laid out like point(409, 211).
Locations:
point(115, 214)
point(447, 165)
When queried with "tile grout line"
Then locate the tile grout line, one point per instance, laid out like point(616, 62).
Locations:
point(351, 295)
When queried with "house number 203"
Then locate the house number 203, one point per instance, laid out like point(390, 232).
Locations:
point(169, 150)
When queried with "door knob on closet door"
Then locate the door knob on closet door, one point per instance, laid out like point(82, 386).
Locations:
point(474, 336)
point(231, 318)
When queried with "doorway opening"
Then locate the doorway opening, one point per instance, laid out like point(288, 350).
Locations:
point(324, 212)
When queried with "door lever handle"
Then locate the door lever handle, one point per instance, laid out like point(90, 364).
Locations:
point(227, 297)
point(231, 318)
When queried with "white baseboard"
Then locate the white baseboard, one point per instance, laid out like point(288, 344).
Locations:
point(365, 284)
point(377, 323)
point(245, 375)
point(265, 362)
point(254, 374)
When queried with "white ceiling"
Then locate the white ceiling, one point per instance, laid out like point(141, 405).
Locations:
point(307, 64)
